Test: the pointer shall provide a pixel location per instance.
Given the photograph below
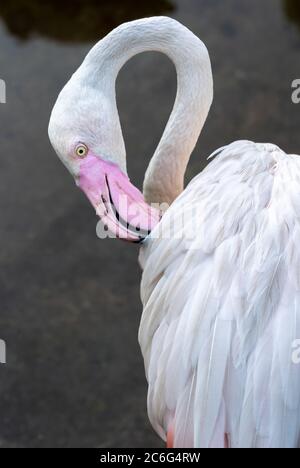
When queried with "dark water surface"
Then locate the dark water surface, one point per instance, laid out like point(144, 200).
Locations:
point(69, 302)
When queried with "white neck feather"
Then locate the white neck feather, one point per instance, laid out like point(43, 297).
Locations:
point(164, 178)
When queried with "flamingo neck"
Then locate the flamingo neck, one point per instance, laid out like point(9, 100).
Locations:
point(164, 179)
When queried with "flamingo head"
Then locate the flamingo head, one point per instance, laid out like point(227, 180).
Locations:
point(85, 132)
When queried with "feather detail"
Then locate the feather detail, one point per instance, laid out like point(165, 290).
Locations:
point(221, 301)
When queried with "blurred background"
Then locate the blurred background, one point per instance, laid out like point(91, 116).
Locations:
point(69, 302)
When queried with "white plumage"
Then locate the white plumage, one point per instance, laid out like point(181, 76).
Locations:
point(222, 310)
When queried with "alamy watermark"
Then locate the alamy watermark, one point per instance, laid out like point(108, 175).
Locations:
point(2, 92)
point(176, 224)
point(296, 91)
point(2, 342)
point(2, 352)
point(296, 352)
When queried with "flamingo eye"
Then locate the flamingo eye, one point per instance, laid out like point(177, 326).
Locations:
point(81, 150)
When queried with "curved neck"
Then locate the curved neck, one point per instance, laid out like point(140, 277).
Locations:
point(164, 178)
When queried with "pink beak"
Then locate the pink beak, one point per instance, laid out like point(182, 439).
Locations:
point(120, 206)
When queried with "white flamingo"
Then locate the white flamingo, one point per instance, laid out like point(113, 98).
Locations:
point(221, 307)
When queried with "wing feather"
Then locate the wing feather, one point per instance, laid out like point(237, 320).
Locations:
point(221, 296)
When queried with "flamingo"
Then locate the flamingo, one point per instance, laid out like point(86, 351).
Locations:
point(221, 292)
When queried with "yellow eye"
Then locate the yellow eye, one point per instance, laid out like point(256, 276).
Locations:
point(81, 150)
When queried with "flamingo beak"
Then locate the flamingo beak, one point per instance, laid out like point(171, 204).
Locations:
point(120, 206)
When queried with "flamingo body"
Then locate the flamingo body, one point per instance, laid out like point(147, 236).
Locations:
point(222, 307)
